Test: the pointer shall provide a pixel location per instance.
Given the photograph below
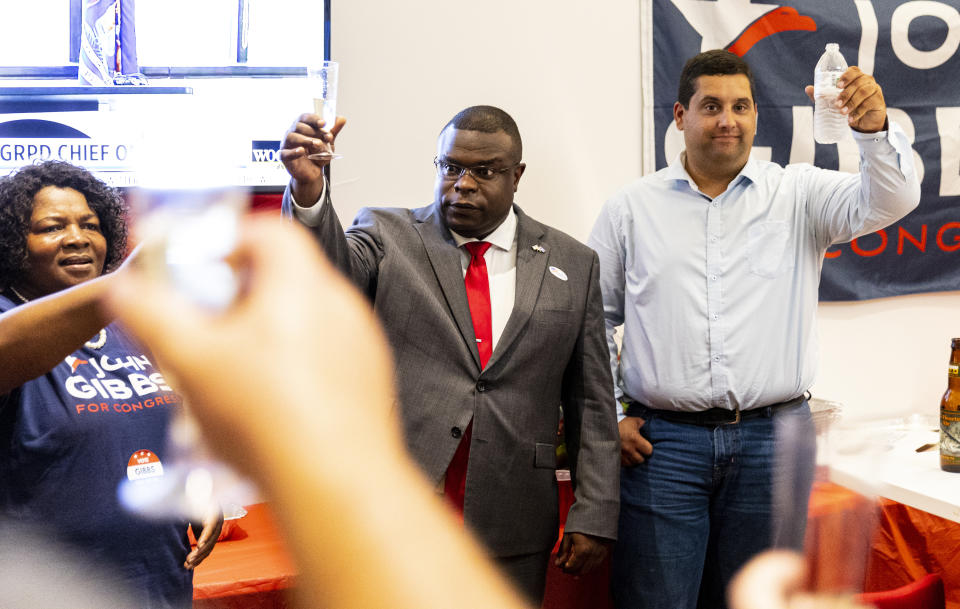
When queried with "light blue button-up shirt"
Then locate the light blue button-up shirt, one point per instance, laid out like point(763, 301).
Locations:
point(717, 297)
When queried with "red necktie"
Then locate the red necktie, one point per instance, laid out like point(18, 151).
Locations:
point(478, 298)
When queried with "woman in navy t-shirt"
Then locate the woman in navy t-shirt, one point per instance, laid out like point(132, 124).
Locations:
point(82, 406)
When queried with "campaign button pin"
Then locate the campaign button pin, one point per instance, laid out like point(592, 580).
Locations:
point(558, 273)
point(144, 464)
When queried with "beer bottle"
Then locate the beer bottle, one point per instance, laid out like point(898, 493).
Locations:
point(950, 413)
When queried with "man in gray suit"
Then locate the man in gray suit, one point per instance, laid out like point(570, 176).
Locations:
point(479, 397)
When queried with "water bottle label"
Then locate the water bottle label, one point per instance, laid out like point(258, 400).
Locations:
point(825, 84)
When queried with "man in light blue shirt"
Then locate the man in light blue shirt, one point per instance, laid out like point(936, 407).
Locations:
point(712, 266)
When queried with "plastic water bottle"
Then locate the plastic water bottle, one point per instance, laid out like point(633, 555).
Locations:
point(829, 124)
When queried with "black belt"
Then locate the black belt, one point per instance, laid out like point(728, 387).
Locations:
point(711, 417)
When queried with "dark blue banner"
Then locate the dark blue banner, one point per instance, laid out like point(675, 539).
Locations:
point(910, 47)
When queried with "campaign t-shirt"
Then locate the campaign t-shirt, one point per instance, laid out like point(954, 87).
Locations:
point(67, 440)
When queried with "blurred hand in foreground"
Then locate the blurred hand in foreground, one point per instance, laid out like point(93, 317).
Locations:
point(293, 384)
point(775, 580)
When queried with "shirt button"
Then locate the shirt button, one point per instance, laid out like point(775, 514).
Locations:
point(481, 386)
point(713, 277)
point(716, 358)
point(715, 204)
point(715, 317)
point(713, 238)
point(455, 432)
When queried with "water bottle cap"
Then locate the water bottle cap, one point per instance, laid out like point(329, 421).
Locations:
point(833, 46)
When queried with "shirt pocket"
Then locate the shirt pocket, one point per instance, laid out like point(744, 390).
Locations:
point(767, 248)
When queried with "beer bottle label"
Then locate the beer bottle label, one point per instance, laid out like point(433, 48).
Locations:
point(949, 436)
point(953, 370)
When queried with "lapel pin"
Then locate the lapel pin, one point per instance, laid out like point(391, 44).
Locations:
point(538, 248)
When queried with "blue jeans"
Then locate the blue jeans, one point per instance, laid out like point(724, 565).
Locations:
point(705, 502)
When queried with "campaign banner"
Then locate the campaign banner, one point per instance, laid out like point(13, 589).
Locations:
point(910, 47)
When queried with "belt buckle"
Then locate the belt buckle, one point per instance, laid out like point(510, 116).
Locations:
point(735, 420)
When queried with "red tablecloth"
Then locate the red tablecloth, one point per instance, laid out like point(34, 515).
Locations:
point(910, 543)
point(250, 570)
point(840, 528)
point(254, 571)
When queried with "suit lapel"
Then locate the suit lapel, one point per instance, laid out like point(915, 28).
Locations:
point(445, 259)
point(531, 265)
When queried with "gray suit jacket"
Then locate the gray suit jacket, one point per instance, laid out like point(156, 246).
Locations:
point(552, 352)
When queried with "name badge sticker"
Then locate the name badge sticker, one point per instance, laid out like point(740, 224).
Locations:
point(144, 464)
point(558, 273)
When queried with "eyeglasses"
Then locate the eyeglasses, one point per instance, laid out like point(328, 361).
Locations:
point(452, 171)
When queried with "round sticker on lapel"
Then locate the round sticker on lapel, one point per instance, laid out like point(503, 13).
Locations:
point(558, 273)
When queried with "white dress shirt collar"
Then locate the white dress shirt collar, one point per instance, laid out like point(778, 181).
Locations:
point(502, 237)
point(677, 171)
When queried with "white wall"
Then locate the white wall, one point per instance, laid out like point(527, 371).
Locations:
point(887, 357)
point(568, 72)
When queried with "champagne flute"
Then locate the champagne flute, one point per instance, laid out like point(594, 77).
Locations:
point(187, 234)
point(839, 536)
point(322, 81)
